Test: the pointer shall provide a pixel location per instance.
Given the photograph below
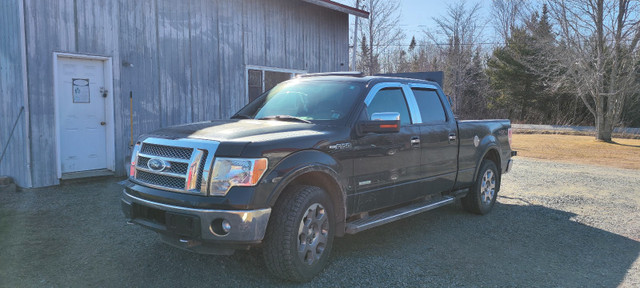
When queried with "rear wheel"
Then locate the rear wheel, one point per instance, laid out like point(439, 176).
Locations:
point(300, 234)
point(484, 192)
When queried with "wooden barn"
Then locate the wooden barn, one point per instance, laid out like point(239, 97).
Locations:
point(80, 78)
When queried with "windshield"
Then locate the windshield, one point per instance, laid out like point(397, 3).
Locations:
point(314, 101)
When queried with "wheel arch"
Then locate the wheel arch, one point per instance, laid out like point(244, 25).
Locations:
point(491, 153)
point(323, 174)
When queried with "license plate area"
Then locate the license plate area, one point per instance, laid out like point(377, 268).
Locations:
point(164, 221)
point(182, 224)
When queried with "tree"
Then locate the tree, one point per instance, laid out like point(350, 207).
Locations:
point(381, 31)
point(507, 14)
point(511, 75)
point(459, 31)
point(520, 71)
point(599, 55)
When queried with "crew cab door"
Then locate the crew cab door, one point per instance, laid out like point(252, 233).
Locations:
point(386, 165)
point(438, 139)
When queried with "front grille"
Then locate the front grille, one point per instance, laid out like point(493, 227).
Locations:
point(176, 167)
point(166, 151)
point(178, 156)
point(161, 180)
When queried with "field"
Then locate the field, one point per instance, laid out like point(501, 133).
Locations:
point(622, 153)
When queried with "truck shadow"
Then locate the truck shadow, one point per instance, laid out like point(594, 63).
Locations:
point(514, 245)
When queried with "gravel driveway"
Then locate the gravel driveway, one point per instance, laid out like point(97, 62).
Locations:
point(554, 225)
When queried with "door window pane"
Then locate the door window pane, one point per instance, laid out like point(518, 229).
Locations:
point(255, 84)
point(390, 100)
point(272, 78)
point(431, 108)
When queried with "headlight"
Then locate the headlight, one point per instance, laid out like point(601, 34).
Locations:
point(229, 172)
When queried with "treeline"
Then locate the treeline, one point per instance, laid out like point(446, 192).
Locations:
point(567, 62)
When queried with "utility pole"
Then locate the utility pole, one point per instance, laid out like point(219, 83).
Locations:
point(355, 39)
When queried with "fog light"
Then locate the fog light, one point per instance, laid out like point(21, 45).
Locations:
point(220, 227)
point(226, 226)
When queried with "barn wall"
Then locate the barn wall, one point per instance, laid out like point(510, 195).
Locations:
point(180, 61)
point(12, 92)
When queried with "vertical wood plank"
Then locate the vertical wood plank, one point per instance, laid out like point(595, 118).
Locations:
point(230, 53)
point(14, 163)
point(50, 27)
point(204, 60)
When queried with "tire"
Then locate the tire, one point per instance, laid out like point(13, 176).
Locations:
point(484, 192)
point(300, 234)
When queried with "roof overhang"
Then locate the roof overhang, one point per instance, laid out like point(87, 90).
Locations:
point(339, 7)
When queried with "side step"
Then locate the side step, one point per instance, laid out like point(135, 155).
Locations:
point(396, 214)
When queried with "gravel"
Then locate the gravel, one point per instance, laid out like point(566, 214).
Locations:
point(554, 225)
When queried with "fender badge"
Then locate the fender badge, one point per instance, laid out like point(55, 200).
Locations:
point(340, 146)
point(476, 141)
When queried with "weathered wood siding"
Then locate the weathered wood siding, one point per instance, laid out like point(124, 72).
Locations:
point(12, 92)
point(182, 61)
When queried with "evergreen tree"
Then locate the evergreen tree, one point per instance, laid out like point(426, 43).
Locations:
point(519, 72)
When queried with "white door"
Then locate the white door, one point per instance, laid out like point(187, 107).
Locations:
point(81, 114)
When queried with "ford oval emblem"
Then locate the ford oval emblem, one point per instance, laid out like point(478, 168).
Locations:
point(158, 165)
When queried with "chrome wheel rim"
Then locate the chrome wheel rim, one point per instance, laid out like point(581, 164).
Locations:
point(488, 187)
point(313, 234)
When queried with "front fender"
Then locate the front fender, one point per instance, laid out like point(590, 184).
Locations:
point(295, 165)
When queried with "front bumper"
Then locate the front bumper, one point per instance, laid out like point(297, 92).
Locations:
point(195, 229)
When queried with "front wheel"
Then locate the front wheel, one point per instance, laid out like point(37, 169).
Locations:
point(484, 192)
point(300, 234)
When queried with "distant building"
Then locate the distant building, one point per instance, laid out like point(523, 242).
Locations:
point(79, 67)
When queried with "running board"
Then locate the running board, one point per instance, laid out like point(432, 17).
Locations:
point(396, 214)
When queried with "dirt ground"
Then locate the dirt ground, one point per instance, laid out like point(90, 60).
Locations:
point(554, 225)
point(622, 153)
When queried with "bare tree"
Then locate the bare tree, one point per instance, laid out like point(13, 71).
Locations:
point(506, 14)
point(600, 54)
point(460, 29)
point(381, 32)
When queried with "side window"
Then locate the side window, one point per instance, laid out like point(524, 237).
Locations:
point(390, 100)
point(430, 106)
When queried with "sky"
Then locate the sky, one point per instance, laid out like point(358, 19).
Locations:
point(417, 15)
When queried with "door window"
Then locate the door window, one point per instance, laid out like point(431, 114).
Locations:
point(390, 100)
point(430, 106)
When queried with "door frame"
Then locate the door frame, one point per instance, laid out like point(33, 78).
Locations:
point(109, 106)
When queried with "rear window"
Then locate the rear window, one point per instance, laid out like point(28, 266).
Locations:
point(431, 108)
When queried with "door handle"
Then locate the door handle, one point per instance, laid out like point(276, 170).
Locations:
point(103, 123)
point(452, 137)
point(415, 141)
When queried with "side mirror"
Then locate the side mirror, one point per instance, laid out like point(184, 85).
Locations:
point(384, 122)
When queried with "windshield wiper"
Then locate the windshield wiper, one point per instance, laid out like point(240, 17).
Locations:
point(285, 118)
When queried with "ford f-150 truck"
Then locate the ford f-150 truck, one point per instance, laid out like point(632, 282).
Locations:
point(316, 157)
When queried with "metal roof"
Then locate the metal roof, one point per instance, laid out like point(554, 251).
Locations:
point(339, 7)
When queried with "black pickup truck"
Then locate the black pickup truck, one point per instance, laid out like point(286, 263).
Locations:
point(314, 158)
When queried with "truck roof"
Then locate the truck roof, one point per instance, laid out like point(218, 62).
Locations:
point(359, 77)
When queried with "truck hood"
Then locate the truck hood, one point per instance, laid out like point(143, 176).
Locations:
point(244, 130)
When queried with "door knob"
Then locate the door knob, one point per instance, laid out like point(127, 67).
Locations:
point(103, 123)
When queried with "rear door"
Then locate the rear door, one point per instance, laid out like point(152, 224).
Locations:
point(438, 139)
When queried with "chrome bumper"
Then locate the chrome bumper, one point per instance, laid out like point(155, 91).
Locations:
point(246, 225)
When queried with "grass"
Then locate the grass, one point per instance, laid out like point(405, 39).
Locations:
point(622, 153)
